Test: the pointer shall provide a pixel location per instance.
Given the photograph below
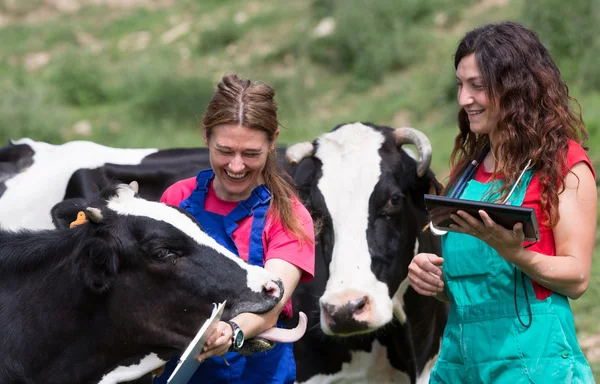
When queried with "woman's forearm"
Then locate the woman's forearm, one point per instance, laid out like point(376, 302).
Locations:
point(252, 324)
point(562, 274)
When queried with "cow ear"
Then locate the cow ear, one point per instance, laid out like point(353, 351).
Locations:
point(98, 265)
point(435, 187)
point(65, 212)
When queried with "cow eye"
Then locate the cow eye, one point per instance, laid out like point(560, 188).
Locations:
point(163, 254)
point(395, 199)
point(394, 205)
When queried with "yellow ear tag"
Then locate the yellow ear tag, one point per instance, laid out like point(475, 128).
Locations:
point(80, 219)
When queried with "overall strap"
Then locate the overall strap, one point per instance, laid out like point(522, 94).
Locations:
point(197, 203)
point(256, 205)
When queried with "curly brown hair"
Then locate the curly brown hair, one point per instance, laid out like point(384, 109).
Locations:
point(536, 117)
point(252, 104)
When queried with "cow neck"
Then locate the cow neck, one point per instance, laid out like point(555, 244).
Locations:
point(221, 227)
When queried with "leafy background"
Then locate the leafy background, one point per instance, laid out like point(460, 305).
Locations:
point(139, 73)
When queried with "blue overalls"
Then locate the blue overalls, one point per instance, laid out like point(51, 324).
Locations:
point(274, 366)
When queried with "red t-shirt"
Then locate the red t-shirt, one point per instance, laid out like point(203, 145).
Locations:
point(546, 246)
point(277, 242)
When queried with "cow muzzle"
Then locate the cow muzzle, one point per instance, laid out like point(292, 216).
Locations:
point(270, 295)
point(350, 313)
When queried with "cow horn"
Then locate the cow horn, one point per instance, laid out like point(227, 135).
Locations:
point(295, 153)
point(413, 136)
point(94, 214)
point(135, 186)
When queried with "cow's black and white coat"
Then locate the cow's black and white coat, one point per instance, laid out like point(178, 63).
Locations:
point(36, 175)
point(366, 324)
point(118, 296)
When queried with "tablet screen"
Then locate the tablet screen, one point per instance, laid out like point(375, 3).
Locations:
point(440, 208)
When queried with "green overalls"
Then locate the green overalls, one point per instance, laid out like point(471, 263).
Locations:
point(484, 340)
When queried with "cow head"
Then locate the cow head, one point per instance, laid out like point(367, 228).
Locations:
point(367, 194)
point(153, 263)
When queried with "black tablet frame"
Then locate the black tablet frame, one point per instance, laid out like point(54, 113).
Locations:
point(440, 208)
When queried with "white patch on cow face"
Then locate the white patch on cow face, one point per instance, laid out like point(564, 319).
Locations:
point(365, 367)
point(125, 203)
point(132, 372)
point(30, 195)
point(398, 301)
point(398, 298)
point(351, 169)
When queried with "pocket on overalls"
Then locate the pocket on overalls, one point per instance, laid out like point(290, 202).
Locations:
point(466, 256)
point(544, 349)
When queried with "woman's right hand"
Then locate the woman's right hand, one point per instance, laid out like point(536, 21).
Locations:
point(425, 274)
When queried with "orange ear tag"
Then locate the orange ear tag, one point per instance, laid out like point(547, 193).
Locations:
point(80, 219)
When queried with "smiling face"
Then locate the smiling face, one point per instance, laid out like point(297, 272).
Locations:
point(238, 155)
point(473, 98)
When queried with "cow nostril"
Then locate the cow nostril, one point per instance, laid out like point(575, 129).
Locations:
point(360, 304)
point(273, 288)
point(328, 311)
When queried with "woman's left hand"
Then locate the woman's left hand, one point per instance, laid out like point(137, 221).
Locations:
point(218, 342)
point(508, 243)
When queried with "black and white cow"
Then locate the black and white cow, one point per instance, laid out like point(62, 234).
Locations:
point(36, 175)
point(117, 296)
point(365, 322)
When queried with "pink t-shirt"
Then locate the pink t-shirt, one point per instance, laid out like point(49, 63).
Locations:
point(277, 242)
point(532, 199)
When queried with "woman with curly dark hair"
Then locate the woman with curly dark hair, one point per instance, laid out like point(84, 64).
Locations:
point(510, 320)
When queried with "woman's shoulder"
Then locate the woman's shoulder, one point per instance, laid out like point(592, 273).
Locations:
point(576, 154)
point(299, 208)
point(178, 191)
point(274, 223)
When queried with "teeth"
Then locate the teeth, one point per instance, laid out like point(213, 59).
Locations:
point(236, 175)
point(475, 112)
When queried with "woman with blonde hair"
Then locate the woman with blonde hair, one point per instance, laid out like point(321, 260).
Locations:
point(247, 205)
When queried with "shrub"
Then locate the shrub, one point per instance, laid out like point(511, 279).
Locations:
point(29, 112)
point(80, 81)
point(572, 35)
point(174, 98)
point(372, 38)
point(220, 37)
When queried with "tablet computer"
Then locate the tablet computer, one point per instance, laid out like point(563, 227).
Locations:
point(188, 364)
point(440, 208)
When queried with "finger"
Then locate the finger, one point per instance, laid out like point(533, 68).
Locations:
point(460, 224)
point(487, 220)
point(425, 289)
point(518, 230)
point(473, 222)
point(217, 351)
point(219, 332)
point(435, 259)
point(424, 292)
point(425, 279)
point(427, 266)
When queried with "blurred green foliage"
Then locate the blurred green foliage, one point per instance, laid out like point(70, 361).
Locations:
point(374, 38)
point(81, 80)
point(176, 99)
point(571, 32)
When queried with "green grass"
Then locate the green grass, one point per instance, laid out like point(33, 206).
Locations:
point(388, 62)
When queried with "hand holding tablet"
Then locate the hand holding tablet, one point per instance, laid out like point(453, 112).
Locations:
point(440, 208)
